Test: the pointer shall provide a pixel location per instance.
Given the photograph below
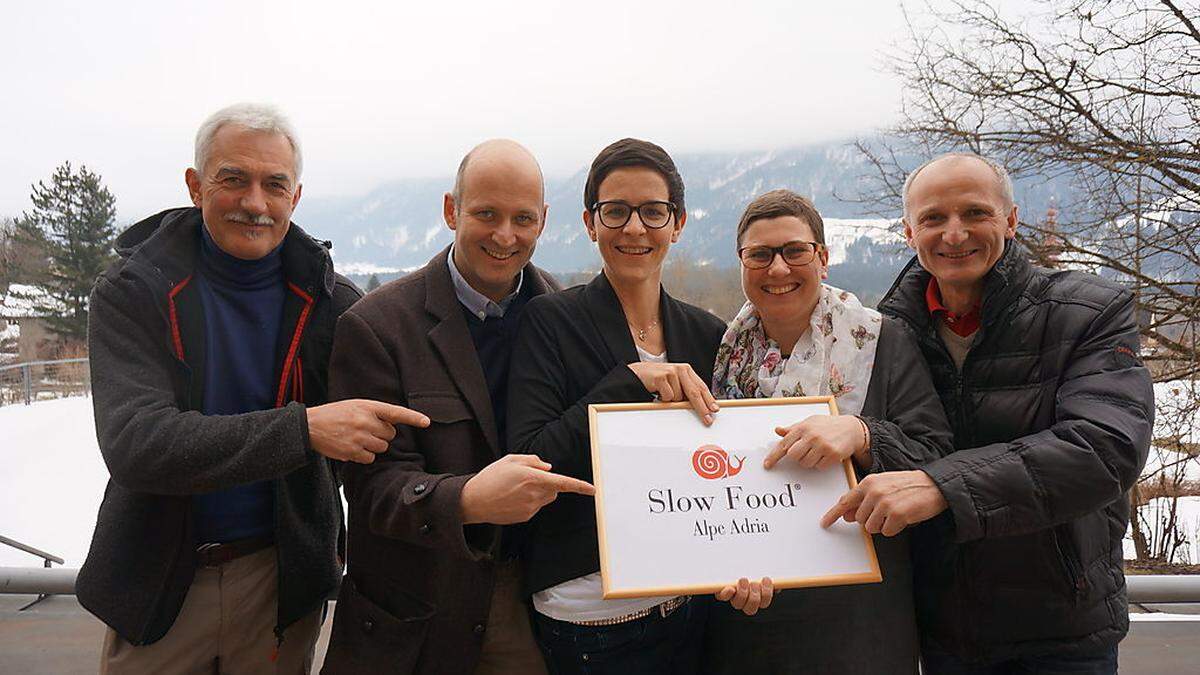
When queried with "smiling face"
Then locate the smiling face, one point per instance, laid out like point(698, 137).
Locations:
point(246, 190)
point(958, 221)
point(635, 253)
point(498, 218)
point(783, 294)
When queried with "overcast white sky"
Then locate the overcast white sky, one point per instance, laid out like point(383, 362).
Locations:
point(380, 93)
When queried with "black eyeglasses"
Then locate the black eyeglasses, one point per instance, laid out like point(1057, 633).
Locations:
point(795, 254)
point(614, 215)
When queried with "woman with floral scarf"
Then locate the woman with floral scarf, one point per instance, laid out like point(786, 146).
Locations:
point(797, 336)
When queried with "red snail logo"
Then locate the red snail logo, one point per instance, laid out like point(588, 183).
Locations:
point(711, 463)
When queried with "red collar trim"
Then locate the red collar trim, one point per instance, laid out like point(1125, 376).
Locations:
point(963, 325)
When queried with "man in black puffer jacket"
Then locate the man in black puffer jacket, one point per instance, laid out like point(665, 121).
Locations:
point(1052, 410)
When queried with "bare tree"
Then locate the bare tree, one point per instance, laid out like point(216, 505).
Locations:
point(1100, 95)
point(1104, 93)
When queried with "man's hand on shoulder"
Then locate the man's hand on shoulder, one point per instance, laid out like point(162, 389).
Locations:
point(357, 429)
point(513, 488)
point(886, 503)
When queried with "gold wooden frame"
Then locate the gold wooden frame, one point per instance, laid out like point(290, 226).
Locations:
point(874, 576)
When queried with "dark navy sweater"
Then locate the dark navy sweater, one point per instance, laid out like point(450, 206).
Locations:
point(493, 339)
point(243, 310)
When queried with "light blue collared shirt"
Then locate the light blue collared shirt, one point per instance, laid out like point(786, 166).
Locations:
point(477, 303)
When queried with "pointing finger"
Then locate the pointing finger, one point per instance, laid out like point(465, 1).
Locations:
point(563, 483)
point(696, 399)
point(845, 504)
point(398, 414)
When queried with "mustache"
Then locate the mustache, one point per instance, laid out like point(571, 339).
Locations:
point(247, 219)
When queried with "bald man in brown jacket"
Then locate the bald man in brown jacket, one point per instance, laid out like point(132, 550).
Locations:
point(433, 583)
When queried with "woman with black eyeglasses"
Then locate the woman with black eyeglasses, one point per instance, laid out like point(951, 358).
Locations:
point(620, 338)
point(797, 336)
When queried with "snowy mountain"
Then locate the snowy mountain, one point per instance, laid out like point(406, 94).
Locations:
point(398, 225)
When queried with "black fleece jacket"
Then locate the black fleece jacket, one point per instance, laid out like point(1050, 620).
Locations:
point(146, 346)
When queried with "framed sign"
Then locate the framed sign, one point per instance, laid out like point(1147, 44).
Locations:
point(682, 508)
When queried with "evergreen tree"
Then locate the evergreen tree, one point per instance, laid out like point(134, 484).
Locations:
point(372, 283)
point(73, 223)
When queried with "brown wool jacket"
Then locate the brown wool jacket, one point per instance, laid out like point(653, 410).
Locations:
point(419, 582)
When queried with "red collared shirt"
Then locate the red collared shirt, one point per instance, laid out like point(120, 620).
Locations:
point(963, 325)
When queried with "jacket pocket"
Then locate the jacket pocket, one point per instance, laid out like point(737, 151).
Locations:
point(442, 408)
point(1072, 569)
point(367, 638)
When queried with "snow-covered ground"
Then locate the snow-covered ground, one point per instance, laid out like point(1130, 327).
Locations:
point(52, 479)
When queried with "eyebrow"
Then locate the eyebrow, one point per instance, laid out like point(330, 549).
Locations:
point(236, 171)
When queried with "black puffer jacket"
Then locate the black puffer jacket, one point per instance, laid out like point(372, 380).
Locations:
point(1052, 417)
point(146, 336)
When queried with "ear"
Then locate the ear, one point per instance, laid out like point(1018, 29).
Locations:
point(192, 180)
point(680, 221)
point(1011, 230)
point(589, 225)
point(296, 197)
point(908, 234)
point(823, 256)
point(542, 225)
point(449, 211)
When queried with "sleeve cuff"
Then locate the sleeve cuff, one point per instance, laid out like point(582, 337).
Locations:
point(877, 432)
point(957, 493)
point(478, 541)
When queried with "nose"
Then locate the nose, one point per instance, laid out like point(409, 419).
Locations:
point(635, 226)
point(778, 268)
point(254, 199)
point(505, 234)
point(956, 233)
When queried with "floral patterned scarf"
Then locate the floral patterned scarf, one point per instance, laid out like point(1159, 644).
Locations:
point(835, 356)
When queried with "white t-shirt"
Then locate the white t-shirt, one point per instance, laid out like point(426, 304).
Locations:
point(580, 599)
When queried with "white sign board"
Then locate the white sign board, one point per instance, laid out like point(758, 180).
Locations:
point(684, 508)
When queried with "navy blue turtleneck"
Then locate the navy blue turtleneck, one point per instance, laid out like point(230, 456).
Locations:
point(243, 310)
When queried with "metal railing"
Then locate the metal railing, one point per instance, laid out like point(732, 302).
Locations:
point(54, 583)
point(1143, 588)
point(28, 381)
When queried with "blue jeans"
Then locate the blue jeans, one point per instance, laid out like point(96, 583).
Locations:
point(1103, 662)
point(652, 645)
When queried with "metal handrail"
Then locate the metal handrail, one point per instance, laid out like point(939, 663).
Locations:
point(28, 364)
point(48, 557)
point(1143, 588)
point(25, 386)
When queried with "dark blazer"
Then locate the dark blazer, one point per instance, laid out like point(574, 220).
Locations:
point(866, 629)
point(574, 347)
point(146, 339)
point(419, 582)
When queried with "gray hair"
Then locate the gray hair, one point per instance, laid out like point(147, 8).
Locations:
point(252, 116)
point(1002, 177)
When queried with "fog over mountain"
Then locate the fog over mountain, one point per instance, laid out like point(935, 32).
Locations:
point(398, 225)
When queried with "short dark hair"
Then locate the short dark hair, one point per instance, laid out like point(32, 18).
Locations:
point(779, 203)
point(629, 152)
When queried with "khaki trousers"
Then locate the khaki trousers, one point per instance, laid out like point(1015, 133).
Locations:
point(508, 644)
point(226, 626)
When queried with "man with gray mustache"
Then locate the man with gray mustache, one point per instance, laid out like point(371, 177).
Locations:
point(217, 542)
